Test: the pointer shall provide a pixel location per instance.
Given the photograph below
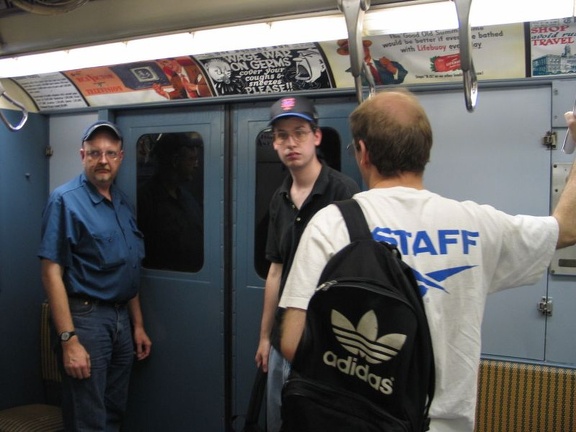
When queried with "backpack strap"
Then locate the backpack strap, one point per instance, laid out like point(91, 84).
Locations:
point(355, 220)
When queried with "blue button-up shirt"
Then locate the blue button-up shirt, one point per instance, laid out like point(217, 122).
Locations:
point(96, 241)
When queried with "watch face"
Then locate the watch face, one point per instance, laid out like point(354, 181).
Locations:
point(64, 336)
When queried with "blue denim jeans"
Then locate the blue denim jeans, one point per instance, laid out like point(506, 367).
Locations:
point(99, 402)
point(278, 371)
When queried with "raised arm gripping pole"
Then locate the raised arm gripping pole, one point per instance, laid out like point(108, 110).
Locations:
point(353, 11)
point(19, 105)
point(466, 63)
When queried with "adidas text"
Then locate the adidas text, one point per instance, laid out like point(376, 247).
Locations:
point(349, 366)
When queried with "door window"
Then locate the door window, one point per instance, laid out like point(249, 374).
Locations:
point(170, 198)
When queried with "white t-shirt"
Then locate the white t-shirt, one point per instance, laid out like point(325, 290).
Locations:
point(460, 252)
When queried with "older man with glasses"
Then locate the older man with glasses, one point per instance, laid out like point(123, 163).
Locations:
point(90, 254)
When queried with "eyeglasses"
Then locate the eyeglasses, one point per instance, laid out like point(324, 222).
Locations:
point(297, 135)
point(97, 154)
point(350, 148)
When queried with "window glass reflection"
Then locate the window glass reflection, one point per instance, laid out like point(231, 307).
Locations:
point(170, 200)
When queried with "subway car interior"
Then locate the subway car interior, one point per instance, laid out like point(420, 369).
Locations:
point(495, 78)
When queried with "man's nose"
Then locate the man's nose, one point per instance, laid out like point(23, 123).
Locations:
point(292, 141)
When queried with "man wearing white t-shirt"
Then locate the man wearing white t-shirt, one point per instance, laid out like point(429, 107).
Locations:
point(460, 251)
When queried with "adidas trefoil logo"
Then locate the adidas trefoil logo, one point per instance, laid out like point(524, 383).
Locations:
point(363, 341)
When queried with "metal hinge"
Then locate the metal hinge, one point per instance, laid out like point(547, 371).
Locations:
point(545, 306)
point(549, 140)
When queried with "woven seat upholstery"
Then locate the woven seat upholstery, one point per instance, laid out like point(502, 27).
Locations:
point(31, 418)
point(39, 417)
point(522, 397)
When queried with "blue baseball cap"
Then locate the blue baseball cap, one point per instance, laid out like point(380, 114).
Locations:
point(98, 125)
point(292, 106)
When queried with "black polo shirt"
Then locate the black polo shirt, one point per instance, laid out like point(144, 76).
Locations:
point(287, 222)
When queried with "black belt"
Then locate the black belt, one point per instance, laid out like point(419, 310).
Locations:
point(96, 301)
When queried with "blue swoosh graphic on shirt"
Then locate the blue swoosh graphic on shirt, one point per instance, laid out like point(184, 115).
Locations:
point(425, 282)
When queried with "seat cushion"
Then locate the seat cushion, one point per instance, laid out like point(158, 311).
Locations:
point(31, 418)
point(520, 397)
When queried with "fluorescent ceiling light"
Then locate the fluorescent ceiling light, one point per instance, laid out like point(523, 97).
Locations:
point(411, 18)
point(233, 38)
point(319, 29)
point(171, 45)
point(227, 39)
point(496, 12)
point(441, 15)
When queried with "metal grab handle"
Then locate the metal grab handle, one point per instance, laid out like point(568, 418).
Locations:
point(19, 105)
point(353, 11)
point(466, 63)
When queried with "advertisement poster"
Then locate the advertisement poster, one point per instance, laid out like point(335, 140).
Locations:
point(267, 70)
point(142, 82)
point(498, 52)
point(51, 91)
point(551, 46)
point(256, 71)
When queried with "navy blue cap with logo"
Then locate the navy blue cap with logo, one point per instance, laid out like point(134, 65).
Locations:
point(98, 125)
point(292, 106)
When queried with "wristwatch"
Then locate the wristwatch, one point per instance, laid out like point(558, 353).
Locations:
point(66, 335)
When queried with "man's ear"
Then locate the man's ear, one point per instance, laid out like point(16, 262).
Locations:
point(363, 153)
point(318, 136)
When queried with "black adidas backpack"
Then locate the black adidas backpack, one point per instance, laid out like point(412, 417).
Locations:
point(365, 360)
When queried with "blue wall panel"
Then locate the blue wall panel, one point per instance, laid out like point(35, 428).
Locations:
point(23, 192)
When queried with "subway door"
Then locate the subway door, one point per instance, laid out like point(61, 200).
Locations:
point(173, 170)
point(495, 156)
point(258, 172)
